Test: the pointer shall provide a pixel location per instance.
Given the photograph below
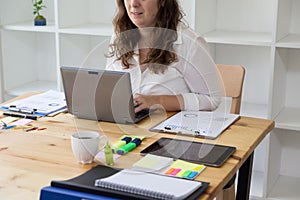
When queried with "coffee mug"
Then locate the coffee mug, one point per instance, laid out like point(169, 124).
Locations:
point(86, 145)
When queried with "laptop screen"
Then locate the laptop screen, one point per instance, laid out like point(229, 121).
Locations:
point(101, 95)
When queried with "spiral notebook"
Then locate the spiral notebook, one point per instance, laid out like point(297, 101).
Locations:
point(149, 185)
point(86, 183)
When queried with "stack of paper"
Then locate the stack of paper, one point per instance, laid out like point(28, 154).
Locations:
point(41, 104)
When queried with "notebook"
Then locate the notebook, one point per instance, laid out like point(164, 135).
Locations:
point(101, 95)
point(150, 185)
point(86, 183)
point(197, 123)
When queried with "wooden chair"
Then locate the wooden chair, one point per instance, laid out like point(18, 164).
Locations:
point(233, 79)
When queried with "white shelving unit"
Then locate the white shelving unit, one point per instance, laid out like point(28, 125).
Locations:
point(77, 34)
point(263, 36)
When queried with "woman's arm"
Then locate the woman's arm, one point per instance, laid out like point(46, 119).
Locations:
point(200, 74)
point(166, 102)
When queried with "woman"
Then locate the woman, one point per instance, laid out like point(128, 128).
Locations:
point(169, 64)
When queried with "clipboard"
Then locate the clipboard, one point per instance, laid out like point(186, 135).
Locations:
point(38, 105)
point(196, 123)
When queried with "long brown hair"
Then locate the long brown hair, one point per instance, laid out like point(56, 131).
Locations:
point(161, 53)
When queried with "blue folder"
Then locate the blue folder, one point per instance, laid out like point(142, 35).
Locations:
point(84, 184)
point(56, 193)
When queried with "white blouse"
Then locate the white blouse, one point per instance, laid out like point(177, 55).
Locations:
point(194, 75)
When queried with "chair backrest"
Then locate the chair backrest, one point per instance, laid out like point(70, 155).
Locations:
point(233, 79)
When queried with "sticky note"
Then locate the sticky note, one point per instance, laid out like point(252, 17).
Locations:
point(22, 122)
point(152, 163)
point(175, 171)
point(9, 119)
point(179, 174)
point(192, 175)
point(186, 173)
point(170, 171)
point(199, 168)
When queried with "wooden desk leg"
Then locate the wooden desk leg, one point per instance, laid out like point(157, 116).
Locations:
point(244, 179)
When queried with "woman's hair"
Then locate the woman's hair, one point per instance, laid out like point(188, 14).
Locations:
point(161, 52)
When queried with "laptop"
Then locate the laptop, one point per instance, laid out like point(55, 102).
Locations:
point(100, 95)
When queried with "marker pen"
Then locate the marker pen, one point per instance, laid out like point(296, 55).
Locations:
point(128, 147)
point(33, 117)
point(8, 127)
point(120, 143)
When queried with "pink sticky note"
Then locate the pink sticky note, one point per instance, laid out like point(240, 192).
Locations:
point(175, 171)
point(101, 156)
point(21, 122)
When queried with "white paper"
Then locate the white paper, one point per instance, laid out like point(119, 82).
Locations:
point(197, 123)
point(43, 103)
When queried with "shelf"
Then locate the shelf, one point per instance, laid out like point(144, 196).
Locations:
point(254, 110)
point(286, 188)
point(33, 86)
point(83, 50)
point(288, 118)
point(257, 181)
point(290, 41)
point(86, 29)
point(28, 26)
point(247, 109)
point(239, 38)
point(89, 29)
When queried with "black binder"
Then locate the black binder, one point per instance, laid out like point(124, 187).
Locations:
point(86, 181)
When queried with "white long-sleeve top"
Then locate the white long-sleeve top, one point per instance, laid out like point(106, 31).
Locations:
point(194, 75)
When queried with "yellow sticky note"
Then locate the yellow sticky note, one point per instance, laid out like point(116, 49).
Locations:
point(152, 163)
point(9, 119)
point(184, 165)
point(147, 163)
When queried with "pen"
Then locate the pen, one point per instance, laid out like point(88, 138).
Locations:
point(120, 143)
point(22, 110)
point(8, 127)
point(33, 117)
point(31, 129)
point(180, 131)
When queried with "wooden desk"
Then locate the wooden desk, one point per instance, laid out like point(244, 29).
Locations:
point(30, 160)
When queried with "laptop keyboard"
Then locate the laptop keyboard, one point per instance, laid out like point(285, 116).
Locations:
point(141, 113)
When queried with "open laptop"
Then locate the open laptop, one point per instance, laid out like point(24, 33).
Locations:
point(100, 95)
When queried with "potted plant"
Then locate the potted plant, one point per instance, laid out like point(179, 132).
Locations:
point(39, 20)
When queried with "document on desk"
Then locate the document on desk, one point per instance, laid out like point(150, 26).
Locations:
point(40, 104)
point(197, 123)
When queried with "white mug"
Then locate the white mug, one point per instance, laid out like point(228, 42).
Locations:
point(86, 145)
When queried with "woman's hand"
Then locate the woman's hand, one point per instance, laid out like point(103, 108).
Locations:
point(144, 102)
point(153, 102)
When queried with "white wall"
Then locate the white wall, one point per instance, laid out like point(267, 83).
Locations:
point(1, 79)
